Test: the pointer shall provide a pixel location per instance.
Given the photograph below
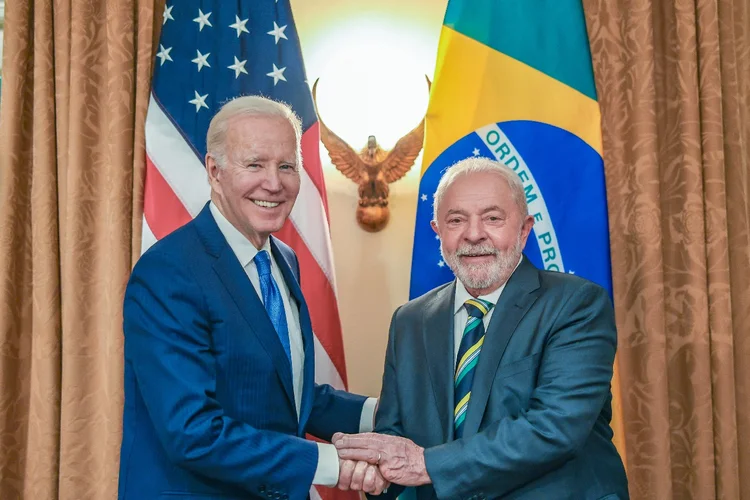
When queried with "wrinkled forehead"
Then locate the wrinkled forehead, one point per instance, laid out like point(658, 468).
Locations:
point(478, 191)
point(261, 135)
point(247, 124)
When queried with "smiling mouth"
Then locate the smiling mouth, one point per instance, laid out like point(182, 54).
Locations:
point(267, 204)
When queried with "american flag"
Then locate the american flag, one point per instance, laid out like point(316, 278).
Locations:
point(210, 52)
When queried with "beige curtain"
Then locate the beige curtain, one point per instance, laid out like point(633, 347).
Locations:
point(673, 79)
point(76, 77)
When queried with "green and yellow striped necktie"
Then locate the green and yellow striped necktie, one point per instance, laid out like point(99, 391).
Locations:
point(468, 355)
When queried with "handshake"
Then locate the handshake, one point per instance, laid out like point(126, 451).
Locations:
point(371, 462)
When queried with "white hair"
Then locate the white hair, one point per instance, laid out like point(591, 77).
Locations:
point(251, 105)
point(475, 165)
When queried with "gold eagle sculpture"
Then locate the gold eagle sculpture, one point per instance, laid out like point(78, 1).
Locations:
point(372, 168)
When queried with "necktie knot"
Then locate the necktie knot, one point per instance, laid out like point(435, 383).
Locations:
point(477, 308)
point(263, 263)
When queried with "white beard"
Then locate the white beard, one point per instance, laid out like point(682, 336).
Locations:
point(486, 274)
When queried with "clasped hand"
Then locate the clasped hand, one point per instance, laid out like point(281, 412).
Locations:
point(373, 461)
point(361, 476)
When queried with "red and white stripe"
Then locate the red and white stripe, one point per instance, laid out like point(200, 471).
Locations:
point(176, 189)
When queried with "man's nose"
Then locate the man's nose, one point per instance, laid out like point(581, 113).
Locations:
point(273, 179)
point(475, 233)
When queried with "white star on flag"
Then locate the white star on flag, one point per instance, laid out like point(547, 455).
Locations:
point(278, 32)
point(201, 60)
point(167, 15)
point(424, 197)
point(238, 67)
point(441, 264)
point(475, 152)
point(437, 236)
point(202, 20)
point(239, 25)
point(199, 101)
point(163, 54)
point(277, 74)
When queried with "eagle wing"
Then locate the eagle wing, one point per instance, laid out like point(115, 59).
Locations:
point(401, 158)
point(344, 158)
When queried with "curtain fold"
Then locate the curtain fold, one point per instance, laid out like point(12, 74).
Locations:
point(76, 78)
point(673, 80)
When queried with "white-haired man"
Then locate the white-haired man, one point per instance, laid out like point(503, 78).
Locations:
point(496, 385)
point(219, 350)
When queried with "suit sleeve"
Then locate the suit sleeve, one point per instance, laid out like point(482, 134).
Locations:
point(334, 411)
point(168, 342)
point(572, 386)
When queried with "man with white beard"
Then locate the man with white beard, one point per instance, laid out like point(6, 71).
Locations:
point(496, 385)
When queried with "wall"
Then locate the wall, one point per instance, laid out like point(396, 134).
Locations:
point(372, 270)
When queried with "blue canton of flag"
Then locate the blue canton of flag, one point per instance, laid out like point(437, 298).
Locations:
point(211, 52)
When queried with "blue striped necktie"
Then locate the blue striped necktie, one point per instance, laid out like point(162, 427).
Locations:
point(468, 355)
point(272, 300)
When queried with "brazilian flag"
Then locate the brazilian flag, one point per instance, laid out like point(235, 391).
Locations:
point(514, 82)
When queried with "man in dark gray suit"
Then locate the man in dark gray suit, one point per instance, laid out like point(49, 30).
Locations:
point(496, 385)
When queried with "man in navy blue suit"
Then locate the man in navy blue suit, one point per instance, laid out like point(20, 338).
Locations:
point(496, 385)
point(219, 350)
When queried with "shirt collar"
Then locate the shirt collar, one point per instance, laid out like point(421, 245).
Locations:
point(241, 246)
point(462, 295)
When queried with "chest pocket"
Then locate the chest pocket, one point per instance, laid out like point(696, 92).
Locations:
point(512, 387)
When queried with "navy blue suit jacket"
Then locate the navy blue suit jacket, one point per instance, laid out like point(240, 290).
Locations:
point(209, 405)
point(537, 425)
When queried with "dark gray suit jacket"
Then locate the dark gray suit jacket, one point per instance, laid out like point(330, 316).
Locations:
point(537, 425)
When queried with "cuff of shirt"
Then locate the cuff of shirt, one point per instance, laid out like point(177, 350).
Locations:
point(327, 472)
point(367, 419)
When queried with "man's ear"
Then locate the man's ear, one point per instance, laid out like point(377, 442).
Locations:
point(528, 223)
point(212, 170)
point(434, 225)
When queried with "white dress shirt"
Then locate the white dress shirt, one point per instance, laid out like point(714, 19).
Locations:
point(461, 316)
point(327, 471)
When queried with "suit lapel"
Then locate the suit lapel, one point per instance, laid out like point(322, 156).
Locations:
point(234, 278)
point(308, 379)
point(438, 343)
point(514, 302)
